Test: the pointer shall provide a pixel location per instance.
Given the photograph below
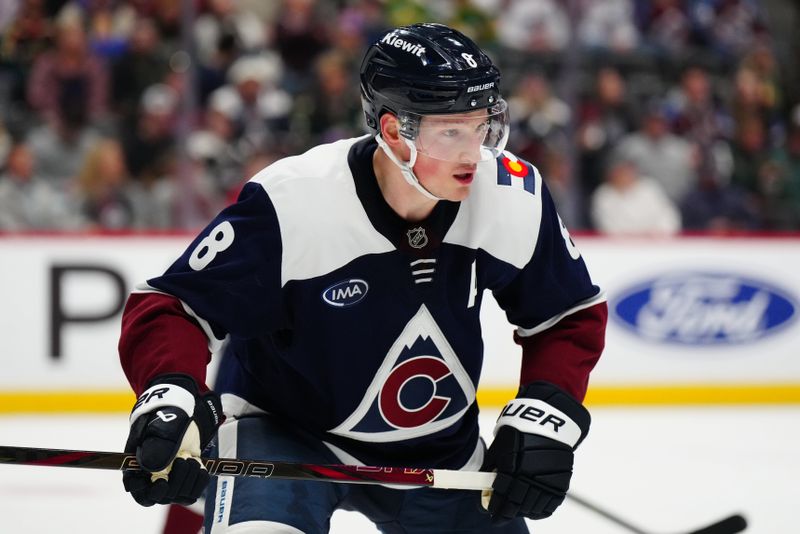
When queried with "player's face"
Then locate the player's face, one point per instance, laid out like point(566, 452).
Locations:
point(449, 149)
point(444, 179)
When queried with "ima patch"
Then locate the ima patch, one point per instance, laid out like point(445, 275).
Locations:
point(515, 173)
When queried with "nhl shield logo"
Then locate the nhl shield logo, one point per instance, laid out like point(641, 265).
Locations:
point(417, 237)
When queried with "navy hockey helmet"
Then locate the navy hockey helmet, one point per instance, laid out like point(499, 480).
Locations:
point(430, 69)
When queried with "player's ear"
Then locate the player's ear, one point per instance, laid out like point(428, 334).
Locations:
point(390, 132)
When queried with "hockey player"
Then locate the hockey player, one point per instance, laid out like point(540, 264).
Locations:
point(344, 287)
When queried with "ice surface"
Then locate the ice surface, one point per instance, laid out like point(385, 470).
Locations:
point(664, 469)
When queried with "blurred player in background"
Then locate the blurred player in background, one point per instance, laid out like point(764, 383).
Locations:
point(344, 287)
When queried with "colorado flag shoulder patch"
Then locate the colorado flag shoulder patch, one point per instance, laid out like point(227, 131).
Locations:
point(515, 172)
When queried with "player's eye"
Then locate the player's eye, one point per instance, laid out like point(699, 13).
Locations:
point(451, 133)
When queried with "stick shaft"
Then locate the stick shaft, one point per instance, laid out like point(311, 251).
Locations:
point(352, 474)
point(729, 525)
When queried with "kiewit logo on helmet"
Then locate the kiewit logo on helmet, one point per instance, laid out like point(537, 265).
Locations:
point(415, 49)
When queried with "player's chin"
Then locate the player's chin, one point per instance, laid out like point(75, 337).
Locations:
point(459, 193)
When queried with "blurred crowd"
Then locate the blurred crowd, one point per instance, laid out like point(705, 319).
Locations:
point(652, 117)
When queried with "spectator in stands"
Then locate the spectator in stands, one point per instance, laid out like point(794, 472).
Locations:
point(6, 142)
point(735, 27)
point(402, 12)
point(659, 154)
point(60, 146)
point(183, 197)
point(55, 92)
point(697, 116)
point(540, 117)
point(69, 75)
point(215, 145)
point(369, 16)
point(473, 21)
point(27, 202)
point(750, 152)
point(557, 170)
point(8, 12)
point(211, 74)
point(540, 26)
point(629, 203)
point(749, 97)
point(167, 16)
point(104, 190)
point(223, 31)
point(666, 27)
point(780, 178)
point(255, 102)
point(757, 88)
point(25, 36)
point(606, 115)
point(718, 208)
point(609, 26)
point(347, 37)
point(151, 140)
point(109, 26)
point(225, 20)
point(140, 66)
point(332, 107)
point(300, 35)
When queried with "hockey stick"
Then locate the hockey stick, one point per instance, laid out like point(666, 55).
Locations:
point(729, 525)
point(352, 474)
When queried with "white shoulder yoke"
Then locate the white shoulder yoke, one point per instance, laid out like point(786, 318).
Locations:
point(501, 218)
point(322, 222)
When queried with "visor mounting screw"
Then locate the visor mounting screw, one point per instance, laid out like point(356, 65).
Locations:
point(473, 103)
point(491, 99)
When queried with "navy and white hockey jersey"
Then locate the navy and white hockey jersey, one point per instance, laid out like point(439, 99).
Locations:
point(361, 327)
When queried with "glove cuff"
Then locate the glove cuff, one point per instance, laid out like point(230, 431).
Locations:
point(544, 409)
point(163, 394)
point(181, 390)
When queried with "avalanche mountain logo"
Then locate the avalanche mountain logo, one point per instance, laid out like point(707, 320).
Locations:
point(704, 308)
point(420, 388)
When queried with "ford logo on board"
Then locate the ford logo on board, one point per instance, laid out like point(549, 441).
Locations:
point(704, 308)
point(345, 293)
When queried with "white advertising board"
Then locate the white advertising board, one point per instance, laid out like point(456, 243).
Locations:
point(693, 310)
point(61, 305)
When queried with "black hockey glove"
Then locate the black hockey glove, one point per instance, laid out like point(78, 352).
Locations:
point(171, 423)
point(532, 452)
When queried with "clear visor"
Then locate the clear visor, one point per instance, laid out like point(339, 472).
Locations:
point(468, 137)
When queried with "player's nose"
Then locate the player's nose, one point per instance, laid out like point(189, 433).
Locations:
point(470, 156)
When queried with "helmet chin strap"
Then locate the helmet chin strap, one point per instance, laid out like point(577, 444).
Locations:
point(406, 167)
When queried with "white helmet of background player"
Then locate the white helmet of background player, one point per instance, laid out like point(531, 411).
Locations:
point(429, 76)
